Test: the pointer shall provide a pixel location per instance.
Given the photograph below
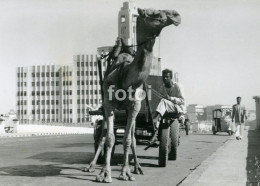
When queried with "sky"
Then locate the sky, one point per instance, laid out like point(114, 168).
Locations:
point(215, 49)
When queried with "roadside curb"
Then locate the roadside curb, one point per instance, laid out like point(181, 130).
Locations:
point(12, 135)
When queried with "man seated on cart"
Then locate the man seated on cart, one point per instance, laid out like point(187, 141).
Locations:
point(173, 102)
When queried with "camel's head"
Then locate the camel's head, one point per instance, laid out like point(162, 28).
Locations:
point(155, 20)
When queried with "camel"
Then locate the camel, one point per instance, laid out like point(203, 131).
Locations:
point(132, 75)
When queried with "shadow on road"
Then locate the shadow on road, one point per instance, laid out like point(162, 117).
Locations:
point(74, 145)
point(65, 157)
point(44, 171)
point(253, 158)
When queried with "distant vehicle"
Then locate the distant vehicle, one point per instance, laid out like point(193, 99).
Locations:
point(222, 121)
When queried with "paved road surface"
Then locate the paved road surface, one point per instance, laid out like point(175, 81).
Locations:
point(57, 160)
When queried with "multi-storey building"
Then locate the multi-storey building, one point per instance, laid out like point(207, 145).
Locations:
point(39, 93)
point(53, 93)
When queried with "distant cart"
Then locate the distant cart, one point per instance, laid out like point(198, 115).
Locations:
point(222, 121)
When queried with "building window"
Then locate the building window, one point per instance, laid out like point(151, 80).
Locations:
point(82, 73)
point(70, 73)
point(43, 111)
point(95, 63)
point(43, 93)
point(95, 82)
point(47, 93)
point(91, 64)
point(78, 73)
point(82, 82)
point(78, 101)
point(95, 73)
point(47, 74)
point(48, 111)
point(52, 74)
point(83, 101)
point(33, 74)
point(47, 83)
point(43, 102)
point(82, 64)
point(25, 102)
point(78, 110)
point(18, 84)
point(91, 73)
point(38, 84)
point(52, 83)
point(38, 74)
point(70, 92)
point(52, 102)
point(33, 84)
point(78, 92)
point(95, 91)
point(122, 19)
point(82, 92)
point(52, 111)
point(87, 82)
point(38, 111)
point(86, 73)
point(43, 83)
point(47, 102)
point(57, 74)
point(43, 74)
point(91, 82)
point(70, 101)
point(24, 84)
point(70, 82)
point(78, 64)
point(33, 111)
point(33, 102)
point(52, 93)
point(38, 102)
point(78, 82)
point(57, 83)
point(57, 93)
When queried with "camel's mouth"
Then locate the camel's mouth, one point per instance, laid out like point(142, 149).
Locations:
point(173, 16)
point(164, 16)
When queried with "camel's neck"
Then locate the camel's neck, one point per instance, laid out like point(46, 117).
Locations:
point(144, 54)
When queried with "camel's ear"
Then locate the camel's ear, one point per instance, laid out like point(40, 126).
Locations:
point(141, 12)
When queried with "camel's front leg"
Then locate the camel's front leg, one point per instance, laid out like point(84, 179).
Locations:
point(132, 113)
point(92, 165)
point(138, 168)
point(105, 174)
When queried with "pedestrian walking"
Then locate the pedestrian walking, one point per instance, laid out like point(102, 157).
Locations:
point(239, 116)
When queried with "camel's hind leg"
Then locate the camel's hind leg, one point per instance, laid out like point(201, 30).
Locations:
point(102, 139)
point(138, 168)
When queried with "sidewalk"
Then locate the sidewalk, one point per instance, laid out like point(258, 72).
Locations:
point(236, 163)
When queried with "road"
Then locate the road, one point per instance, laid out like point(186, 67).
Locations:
point(58, 160)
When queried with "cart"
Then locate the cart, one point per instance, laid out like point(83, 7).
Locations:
point(168, 132)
